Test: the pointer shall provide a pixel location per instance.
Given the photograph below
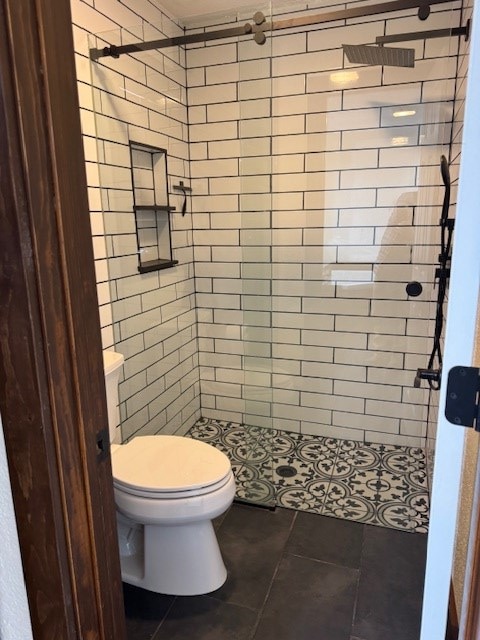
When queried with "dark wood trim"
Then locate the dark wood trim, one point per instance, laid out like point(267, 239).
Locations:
point(452, 617)
point(471, 623)
point(52, 398)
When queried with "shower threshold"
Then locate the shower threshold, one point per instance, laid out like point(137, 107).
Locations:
point(383, 485)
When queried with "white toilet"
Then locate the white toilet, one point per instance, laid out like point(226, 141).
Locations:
point(167, 490)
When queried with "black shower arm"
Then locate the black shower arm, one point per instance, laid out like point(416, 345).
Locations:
point(425, 35)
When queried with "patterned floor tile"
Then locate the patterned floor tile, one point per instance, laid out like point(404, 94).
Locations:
point(384, 485)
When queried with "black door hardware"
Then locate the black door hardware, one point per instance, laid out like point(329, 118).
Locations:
point(103, 444)
point(462, 403)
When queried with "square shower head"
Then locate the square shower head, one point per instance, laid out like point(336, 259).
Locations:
point(373, 55)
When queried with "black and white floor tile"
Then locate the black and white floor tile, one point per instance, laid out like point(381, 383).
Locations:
point(384, 485)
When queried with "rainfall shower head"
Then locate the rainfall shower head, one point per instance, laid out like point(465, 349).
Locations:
point(373, 55)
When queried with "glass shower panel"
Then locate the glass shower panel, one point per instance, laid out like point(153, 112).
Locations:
point(148, 314)
point(255, 206)
point(361, 177)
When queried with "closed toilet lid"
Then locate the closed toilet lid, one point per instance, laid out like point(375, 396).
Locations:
point(168, 464)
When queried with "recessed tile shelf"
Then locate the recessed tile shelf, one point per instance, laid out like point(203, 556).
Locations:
point(151, 207)
point(156, 265)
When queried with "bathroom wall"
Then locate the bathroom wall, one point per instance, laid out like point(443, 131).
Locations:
point(351, 218)
point(14, 611)
point(150, 318)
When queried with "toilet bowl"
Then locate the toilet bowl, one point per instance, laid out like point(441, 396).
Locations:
point(167, 491)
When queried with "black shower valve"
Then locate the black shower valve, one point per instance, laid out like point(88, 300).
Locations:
point(432, 375)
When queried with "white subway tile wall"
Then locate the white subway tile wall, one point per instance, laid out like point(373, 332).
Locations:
point(150, 318)
point(330, 340)
point(314, 203)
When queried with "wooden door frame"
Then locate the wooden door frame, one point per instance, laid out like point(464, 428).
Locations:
point(52, 391)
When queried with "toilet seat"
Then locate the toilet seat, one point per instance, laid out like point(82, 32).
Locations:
point(169, 467)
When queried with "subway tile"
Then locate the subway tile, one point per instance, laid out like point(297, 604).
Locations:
point(362, 390)
point(208, 95)
point(213, 131)
point(334, 402)
point(308, 62)
point(335, 306)
point(211, 55)
point(372, 423)
point(302, 320)
point(290, 367)
point(334, 339)
point(302, 288)
point(307, 414)
point(395, 410)
point(403, 344)
point(424, 70)
point(221, 112)
point(283, 45)
point(222, 73)
point(255, 108)
point(343, 120)
point(304, 143)
point(286, 303)
point(306, 181)
point(332, 37)
point(220, 360)
point(304, 254)
point(301, 383)
point(331, 430)
point(381, 137)
point(343, 79)
point(304, 219)
point(303, 353)
point(393, 439)
point(381, 96)
point(307, 103)
point(288, 85)
point(374, 254)
point(340, 199)
point(254, 89)
point(371, 325)
point(338, 236)
point(334, 371)
point(219, 301)
point(400, 377)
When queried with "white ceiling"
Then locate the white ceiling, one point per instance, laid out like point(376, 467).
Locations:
point(189, 9)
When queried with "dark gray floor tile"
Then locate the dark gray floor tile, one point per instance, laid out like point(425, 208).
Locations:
point(144, 611)
point(252, 541)
point(327, 539)
point(309, 600)
point(204, 618)
point(391, 585)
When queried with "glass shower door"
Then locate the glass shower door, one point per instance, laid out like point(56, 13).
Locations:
point(255, 483)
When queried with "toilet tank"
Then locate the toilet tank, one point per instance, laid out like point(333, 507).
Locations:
point(112, 365)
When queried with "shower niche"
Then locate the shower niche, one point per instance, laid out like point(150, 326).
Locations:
point(151, 207)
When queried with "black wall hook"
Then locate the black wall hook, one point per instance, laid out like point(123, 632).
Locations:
point(184, 189)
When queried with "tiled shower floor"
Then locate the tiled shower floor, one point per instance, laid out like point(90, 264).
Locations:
point(375, 484)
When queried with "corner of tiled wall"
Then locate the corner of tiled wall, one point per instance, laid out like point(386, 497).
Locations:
point(150, 318)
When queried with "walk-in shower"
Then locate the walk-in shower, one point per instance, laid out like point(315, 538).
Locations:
point(284, 333)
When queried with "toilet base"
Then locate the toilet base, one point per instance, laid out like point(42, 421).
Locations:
point(182, 560)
